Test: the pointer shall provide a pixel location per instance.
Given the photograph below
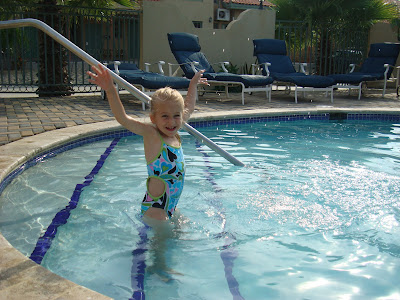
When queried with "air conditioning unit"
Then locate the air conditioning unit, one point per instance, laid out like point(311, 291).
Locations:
point(223, 14)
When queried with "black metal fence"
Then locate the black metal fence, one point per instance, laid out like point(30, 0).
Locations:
point(325, 50)
point(30, 60)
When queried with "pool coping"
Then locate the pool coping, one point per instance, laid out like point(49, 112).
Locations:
point(21, 277)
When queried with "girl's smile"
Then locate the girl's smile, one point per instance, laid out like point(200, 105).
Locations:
point(168, 118)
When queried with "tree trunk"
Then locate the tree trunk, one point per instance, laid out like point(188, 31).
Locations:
point(53, 74)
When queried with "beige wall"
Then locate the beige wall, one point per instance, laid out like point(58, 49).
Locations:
point(383, 32)
point(234, 44)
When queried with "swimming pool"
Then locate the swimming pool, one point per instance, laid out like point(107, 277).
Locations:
point(302, 219)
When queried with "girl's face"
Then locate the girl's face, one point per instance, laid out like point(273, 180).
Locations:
point(168, 118)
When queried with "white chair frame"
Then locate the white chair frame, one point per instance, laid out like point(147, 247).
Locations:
point(359, 86)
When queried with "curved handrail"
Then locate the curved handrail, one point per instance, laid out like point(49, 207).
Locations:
point(126, 85)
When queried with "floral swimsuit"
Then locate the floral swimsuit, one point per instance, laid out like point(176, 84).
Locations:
point(169, 166)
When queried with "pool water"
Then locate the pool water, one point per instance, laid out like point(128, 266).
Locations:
point(314, 213)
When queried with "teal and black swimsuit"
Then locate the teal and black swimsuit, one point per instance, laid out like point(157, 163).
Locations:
point(169, 166)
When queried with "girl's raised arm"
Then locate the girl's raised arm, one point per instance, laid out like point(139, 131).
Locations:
point(190, 100)
point(103, 79)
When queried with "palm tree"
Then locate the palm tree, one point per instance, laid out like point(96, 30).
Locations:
point(355, 14)
point(325, 17)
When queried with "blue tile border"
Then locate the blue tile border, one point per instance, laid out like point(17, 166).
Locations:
point(373, 117)
point(252, 120)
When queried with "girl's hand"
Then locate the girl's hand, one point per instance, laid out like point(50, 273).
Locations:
point(101, 77)
point(199, 79)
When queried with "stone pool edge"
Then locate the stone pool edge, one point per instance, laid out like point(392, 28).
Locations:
point(22, 278)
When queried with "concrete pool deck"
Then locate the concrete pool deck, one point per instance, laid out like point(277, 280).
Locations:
point(31, 125)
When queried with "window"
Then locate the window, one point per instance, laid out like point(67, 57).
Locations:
point(198, 24)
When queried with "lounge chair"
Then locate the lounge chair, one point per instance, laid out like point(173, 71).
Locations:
point(274, 61)
point(186, 49)
point(377, 66)
point(148, 81)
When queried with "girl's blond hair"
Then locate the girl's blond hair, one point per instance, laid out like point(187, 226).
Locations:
point(164, 95)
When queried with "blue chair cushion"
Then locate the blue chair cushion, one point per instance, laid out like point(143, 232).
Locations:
point(354, 78)
point(279, 63)
point(185, 57)
point(126, 66)
point(281, 68)
point(274, 52)
point(131, 73)
point(156, 81)
point(384, 50)
point(314, 81)
point(128, 71)
point(376, 65)
point(132, 76)
point(247, 80)
point(181, 41)
point(284, 76)
point(373, 66)
point(269, 46)
point(186, 48)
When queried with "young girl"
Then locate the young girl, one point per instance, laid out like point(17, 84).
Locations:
point(162, 144)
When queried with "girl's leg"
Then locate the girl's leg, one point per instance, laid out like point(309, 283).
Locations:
point(163, 232)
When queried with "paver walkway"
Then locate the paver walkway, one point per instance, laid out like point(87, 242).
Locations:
point(26, 116)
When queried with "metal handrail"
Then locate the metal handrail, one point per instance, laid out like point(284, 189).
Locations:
point(120, 81)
